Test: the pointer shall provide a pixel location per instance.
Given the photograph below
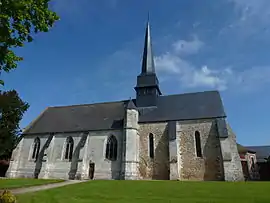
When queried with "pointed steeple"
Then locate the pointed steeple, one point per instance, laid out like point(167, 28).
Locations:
point(148, 64)
point(147, 88)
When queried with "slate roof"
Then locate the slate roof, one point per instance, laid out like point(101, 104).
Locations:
point(262, 152)
point(242, 149)
point(131, 105)
point(110, 115)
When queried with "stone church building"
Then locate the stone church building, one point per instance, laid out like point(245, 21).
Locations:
point(154, 136)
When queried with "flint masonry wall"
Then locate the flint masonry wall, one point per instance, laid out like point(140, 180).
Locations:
point(191, 167)
point(158, 168)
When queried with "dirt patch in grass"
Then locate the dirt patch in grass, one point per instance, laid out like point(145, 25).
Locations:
point(153, 191)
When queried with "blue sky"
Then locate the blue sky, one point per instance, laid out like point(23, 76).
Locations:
point(93, 54)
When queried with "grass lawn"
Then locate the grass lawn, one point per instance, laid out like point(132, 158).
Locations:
point(153, 191)
point(17, 183)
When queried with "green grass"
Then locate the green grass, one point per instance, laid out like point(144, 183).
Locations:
point(24, 182)
point(153, 192)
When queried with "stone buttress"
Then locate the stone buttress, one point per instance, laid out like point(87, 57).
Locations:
point(15, 161)
point(231, 161)
point(130, 153)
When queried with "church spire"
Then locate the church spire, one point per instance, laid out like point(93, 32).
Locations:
point(148, 64)
point(147, 88)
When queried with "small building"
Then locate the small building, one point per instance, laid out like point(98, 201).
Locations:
point(249, 162)
point(262, 160)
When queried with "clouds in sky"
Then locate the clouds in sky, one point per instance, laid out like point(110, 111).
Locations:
point(173, 63)
point(252, 17)
point(253, 9)
point(187, 47)
point(176, 63)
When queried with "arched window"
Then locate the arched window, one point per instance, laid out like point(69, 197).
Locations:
point(36, 148)
point(69, 148)
point(198, 144)
point(111, 148)
point(151, 145)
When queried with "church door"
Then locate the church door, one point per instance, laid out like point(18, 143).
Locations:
point(91, 170)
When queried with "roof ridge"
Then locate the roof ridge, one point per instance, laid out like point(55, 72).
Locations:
point(207, 91)
point(76, 105)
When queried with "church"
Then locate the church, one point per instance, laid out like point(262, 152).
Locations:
point(151, 137)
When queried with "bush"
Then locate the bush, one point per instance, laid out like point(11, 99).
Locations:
point(7, 197)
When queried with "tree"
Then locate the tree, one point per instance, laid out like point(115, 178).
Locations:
point(12, 109)
point(19, 20)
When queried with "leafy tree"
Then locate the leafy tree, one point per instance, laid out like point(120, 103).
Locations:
point(19, 20)
point(12, 109)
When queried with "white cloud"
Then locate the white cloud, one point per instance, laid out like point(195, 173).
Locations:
point(252, 7)
point(188, 75)
point(208, 78)
point(173, 64)
point(252, 17)
point(188, 47)
point(170, 63)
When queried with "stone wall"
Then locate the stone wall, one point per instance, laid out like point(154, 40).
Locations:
point(131, 146)
point(174, 154)
point(22, 165)
point(175, 159)
point(95, 152)
point(207, 167)
point(157, 168)
point(54, 165)
point(12, 171)
point(231, 160)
